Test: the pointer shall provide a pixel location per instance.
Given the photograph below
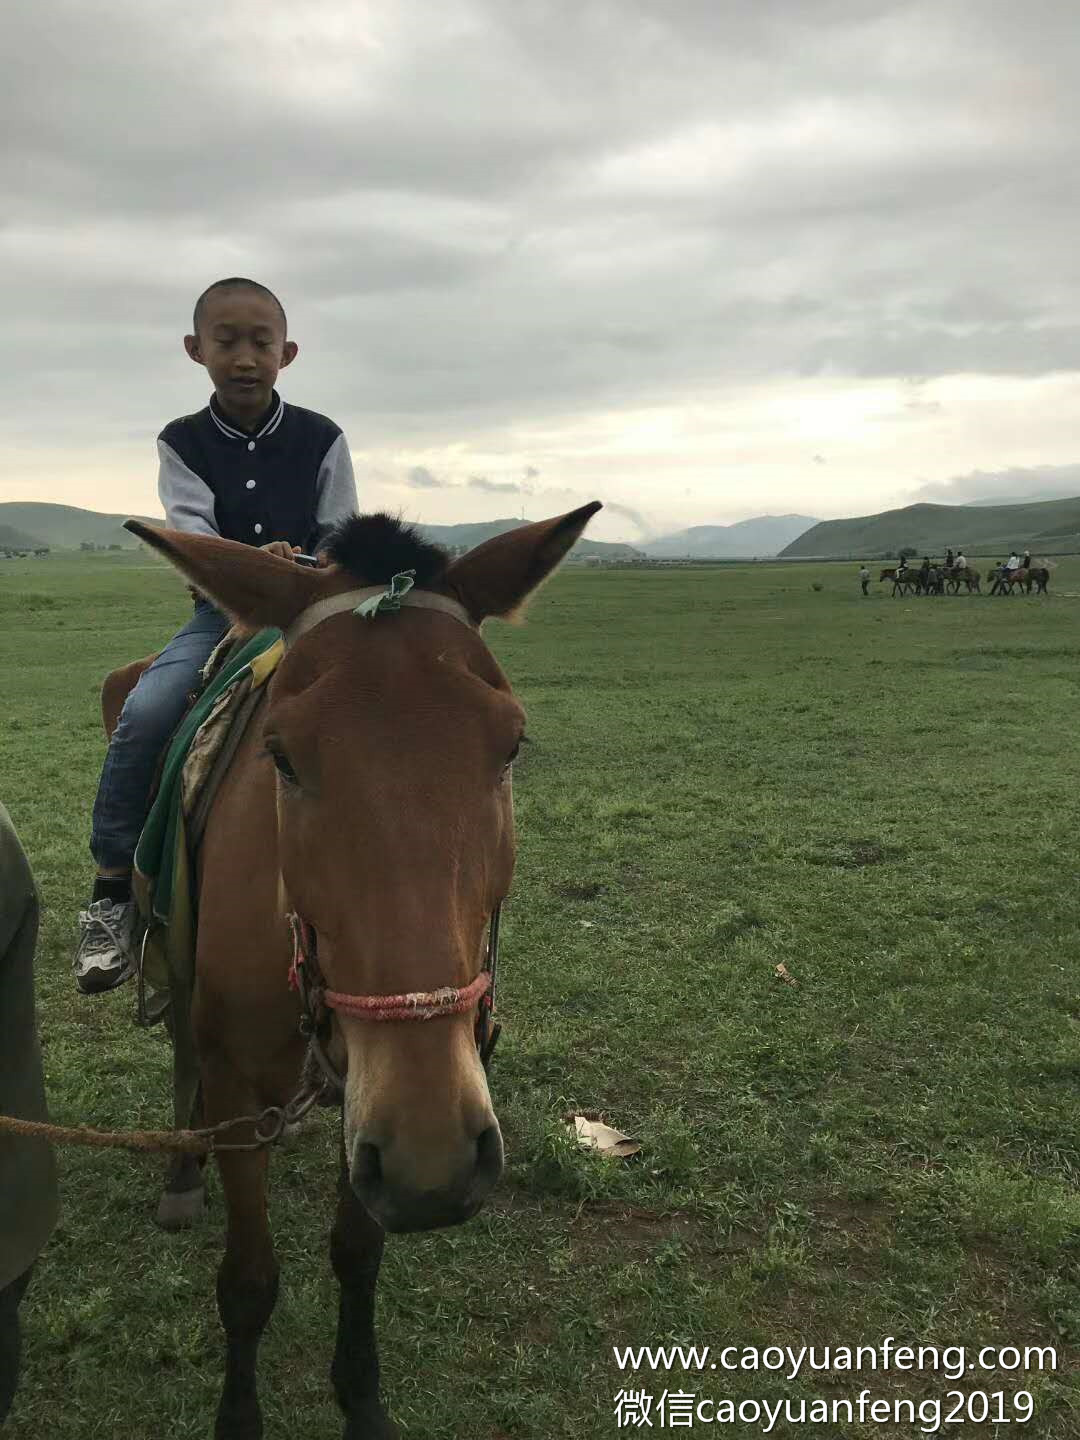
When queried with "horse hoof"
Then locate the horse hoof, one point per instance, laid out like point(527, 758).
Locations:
point(179, 1210)
point(373, 1425)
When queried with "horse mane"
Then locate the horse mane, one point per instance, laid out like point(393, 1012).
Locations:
point(374, 548)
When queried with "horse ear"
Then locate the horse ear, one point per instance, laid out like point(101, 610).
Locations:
point(253, 587)
point(499, 575)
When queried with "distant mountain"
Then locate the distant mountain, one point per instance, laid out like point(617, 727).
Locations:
point(474, 533)
point(930, 529)
point(13, 539)
point(763, 535)
point(65, 527)
point(1014, 500)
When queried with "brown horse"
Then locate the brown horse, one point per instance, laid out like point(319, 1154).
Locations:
point(968, 576)
point(901, 585)
point(370, 799)
point(1006, 582)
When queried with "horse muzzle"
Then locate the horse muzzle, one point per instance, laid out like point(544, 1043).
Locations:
point(402, 1198)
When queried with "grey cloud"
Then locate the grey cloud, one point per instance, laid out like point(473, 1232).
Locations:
point(629, 513)
point(534, 210)
point(1043, 482)
point(494, 487)
point(421, 478)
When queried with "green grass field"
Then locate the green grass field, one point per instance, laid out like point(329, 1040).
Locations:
point(727, 771)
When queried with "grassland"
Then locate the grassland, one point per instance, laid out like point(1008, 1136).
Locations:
point(728, 770)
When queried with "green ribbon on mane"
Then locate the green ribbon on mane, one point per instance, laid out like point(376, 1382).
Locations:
point(389, 600)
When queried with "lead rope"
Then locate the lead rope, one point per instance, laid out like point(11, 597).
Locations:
point(269, 1127)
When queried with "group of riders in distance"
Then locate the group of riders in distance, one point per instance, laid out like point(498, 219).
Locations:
point(930, 578)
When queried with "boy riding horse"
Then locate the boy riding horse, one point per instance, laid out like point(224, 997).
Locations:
point(248, 467)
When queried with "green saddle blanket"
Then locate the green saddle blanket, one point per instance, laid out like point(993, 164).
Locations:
point(157, 852)
point(198, 754)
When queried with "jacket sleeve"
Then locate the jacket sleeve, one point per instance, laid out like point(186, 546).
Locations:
point(188, 500)
point(335, 489)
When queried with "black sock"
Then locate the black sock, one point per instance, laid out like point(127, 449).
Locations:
point(114, 887)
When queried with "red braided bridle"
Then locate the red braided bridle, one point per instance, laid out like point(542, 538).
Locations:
point(306, 977)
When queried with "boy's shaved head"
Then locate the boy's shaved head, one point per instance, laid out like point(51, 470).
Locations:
point(240, 336)
point(236, 282)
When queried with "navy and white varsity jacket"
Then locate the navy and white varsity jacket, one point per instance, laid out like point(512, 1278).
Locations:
point(292, 479)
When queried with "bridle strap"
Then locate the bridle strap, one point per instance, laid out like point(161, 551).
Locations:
point(317, 1002)
point(413, 1005)
point(349, 599)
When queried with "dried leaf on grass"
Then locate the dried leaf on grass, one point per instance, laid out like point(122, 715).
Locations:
point(783, 973)
point(595, 1135)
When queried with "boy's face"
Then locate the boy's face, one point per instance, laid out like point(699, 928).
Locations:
point(242, 343)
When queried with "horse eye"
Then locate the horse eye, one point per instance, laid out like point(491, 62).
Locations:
point(281, 763)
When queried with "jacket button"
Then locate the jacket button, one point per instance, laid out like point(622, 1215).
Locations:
point(250, 485)
point(258, 529)
point(251, 444)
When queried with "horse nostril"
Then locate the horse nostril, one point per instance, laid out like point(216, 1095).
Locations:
point(489, 1153)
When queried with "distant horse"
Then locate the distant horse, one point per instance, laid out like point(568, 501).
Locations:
point(902, 582)
point(968, 576)
point(364, 830)
point(932, 581)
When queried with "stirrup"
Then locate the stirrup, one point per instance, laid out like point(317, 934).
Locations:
point(150, 1010)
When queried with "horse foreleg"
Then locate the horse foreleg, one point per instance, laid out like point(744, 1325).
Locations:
point(356, 1245)
point(183, 1200)
point(247, 1281)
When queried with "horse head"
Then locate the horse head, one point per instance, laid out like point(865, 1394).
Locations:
point(389, 731)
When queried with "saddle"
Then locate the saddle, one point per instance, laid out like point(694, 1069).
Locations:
point(192, 768)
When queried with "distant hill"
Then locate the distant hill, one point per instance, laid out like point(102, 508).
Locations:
point(65, 527)
point(763, 535)
point(470, 534)
point(474, 533)
point(13, 539)
point(930, 529)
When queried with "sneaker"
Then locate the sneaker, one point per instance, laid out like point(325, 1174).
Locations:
point(105, 956)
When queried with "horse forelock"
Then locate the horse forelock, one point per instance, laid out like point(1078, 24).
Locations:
point(374, 548)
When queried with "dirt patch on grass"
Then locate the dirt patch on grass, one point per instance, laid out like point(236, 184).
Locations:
point(844, 1213)
point(583, 890)
point(739, 922)
point(632, 1232)
point(854, 854)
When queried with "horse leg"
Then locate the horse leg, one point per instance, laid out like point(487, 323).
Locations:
point(356, 1245)
point(247, 1281)
point(183, 1199)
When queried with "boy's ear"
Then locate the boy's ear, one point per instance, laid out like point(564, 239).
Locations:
point(289, 352)
point(191, 345)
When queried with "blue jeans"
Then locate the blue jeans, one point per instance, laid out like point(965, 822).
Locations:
point(150, 715)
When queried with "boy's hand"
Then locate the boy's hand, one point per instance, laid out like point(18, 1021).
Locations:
point(282, 548)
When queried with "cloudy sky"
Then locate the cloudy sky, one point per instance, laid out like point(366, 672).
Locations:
point(700, 259)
